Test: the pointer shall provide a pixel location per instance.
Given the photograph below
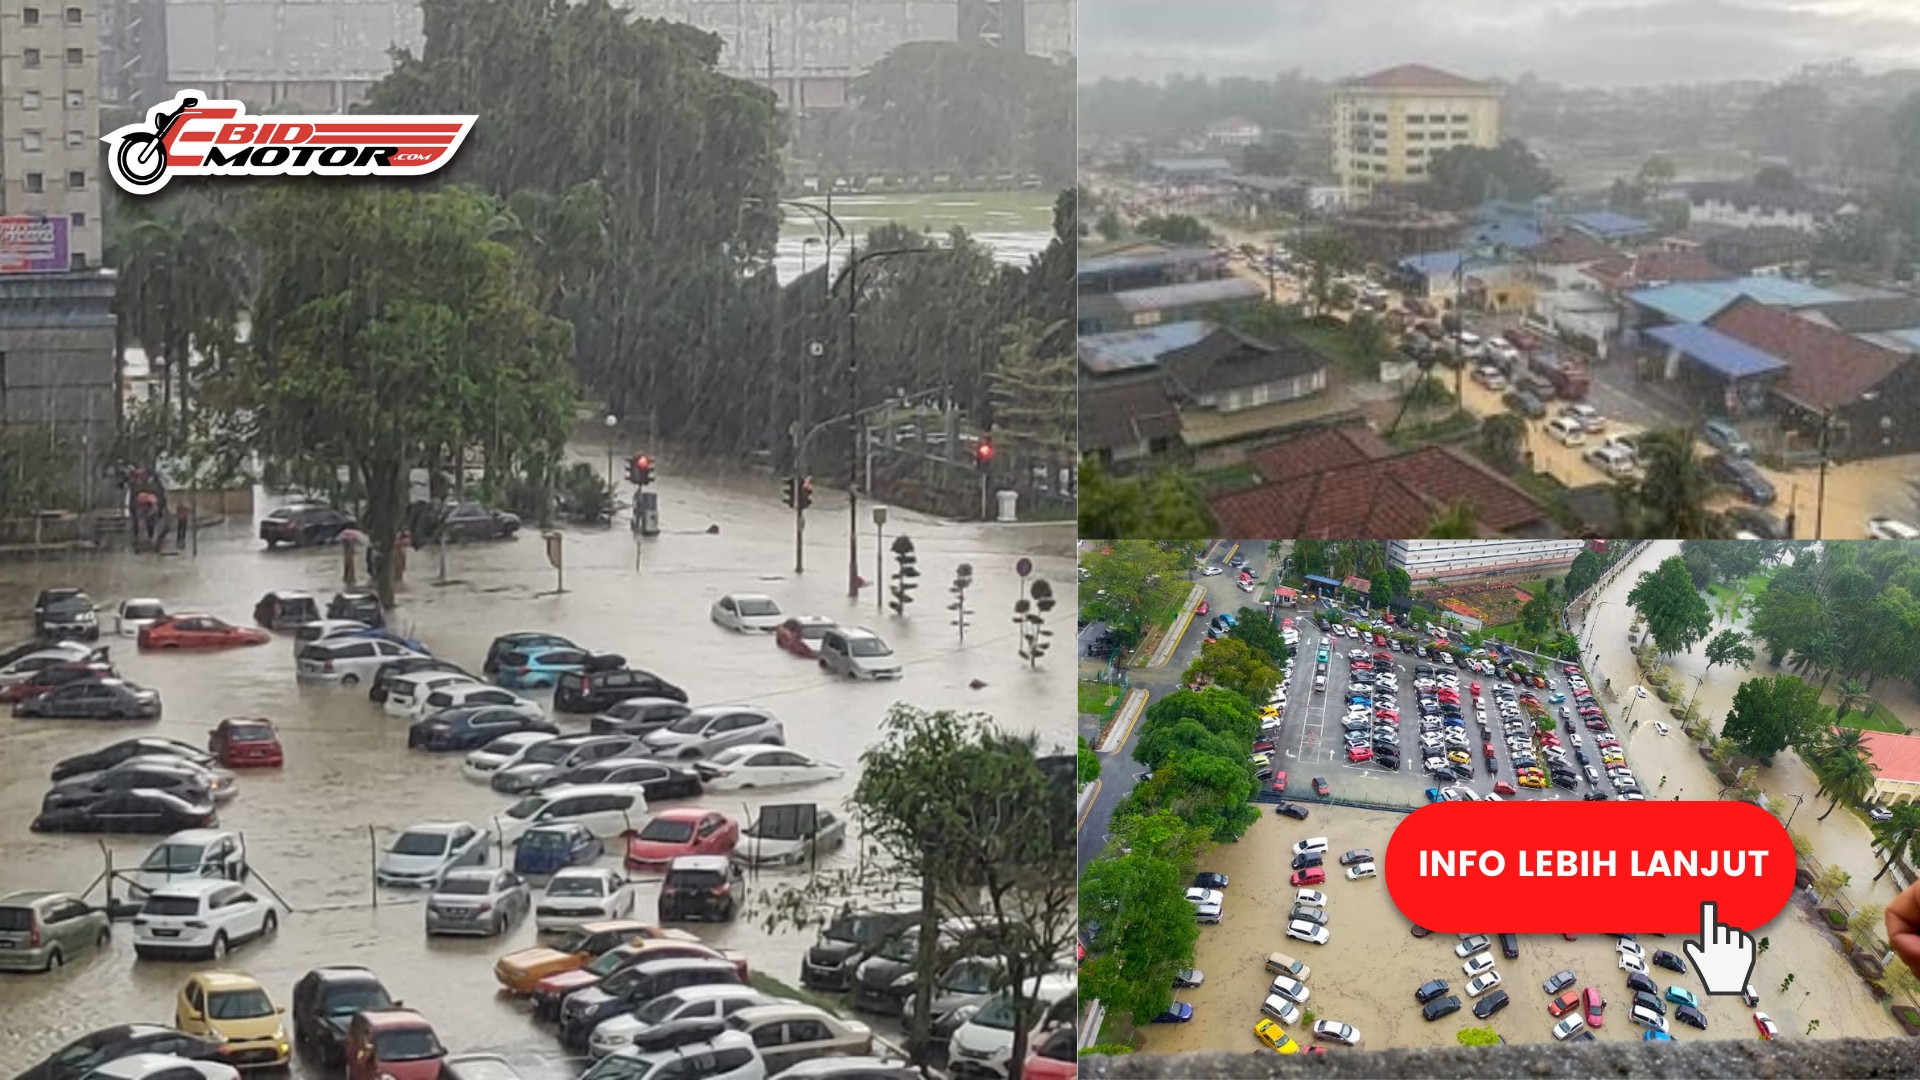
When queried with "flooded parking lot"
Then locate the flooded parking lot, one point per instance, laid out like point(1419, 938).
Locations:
point(349, 782)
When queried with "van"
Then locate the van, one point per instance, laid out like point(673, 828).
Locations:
point(1612, 459)
point(1282, 964)
point(605, 809)
point(858, 653)
point(40, 931)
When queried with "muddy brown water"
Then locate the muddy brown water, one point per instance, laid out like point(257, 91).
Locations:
point(348, 769)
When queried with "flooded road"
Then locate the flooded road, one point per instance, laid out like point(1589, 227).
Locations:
point(349, 781)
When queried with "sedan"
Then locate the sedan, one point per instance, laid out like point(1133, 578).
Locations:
point(1335, 1031)
point(472, 521)
point(1483, 984)
point(1188, 978)
point(1430, 990)
point(1472, 945)
point(469, 727)
point(680, 831)
point(583, 894)
point(1665, 959)
point(1568, 1026)
point(1445, 1006)
point(1768, 1029)
point(1177, 1013)
point(101, 699)
point(1479, 965)
point(1306, 931)
point(747, 613)
point(137, 811)
point(1680, 995)
point(740, 768)
point(1491, 1004)
point(477, 900)
point(113, 754)
point(1559, 981)
point(199, 632)
point(54, 676)
point(424, 853)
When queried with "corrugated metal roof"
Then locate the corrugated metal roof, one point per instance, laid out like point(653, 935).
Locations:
point(1225, 290)
point(1128, 350)
point(1698, 301)
point(1149, 259)
point(1606, 223)
point(1716, 351)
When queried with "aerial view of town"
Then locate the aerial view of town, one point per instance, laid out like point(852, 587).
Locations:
point(1249, 715)
point(1591, 277)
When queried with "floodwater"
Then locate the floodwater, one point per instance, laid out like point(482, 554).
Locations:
point(349, 781)
point(1016, 225)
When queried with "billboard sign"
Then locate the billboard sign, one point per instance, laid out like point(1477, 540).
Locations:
point(31, 244)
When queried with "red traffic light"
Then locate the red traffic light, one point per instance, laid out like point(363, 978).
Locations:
point(643, 462)
point(984, 451)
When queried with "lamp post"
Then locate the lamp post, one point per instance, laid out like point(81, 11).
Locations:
point(1798, 801)
point(804, 245)
point(1593, 610)
point(879, 554)
point(612, 423)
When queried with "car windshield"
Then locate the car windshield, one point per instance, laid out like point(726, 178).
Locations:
point(527, 807)
point(757, 606)
point(505, 746)
point(668, 831)
point(145, 611)
point(545, 753)
point(814, 631)
point(407, 1044)
point(659, 1009)
point(583, 885)
point(348, 1000)
point(466, 886)
point(239, 1005)
point(969, 978)
point(695, 880)
point(249, 733)
point(609, 962)
point(420, 843)
point(69, 605)
point(868, 646)
point(545, 841)
point(174, 859)
point(998, 1014)
point(621, 1067)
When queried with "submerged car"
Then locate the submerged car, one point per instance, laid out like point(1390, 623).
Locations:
point(790, 836)
point(422, 855)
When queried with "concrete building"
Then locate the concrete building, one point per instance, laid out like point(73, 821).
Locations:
point(1746, 206)
point(1435, 560)
point(1387, 125)
point(1896, 766)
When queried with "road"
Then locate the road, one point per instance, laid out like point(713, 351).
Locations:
point(1118, 770)
point(349, 780)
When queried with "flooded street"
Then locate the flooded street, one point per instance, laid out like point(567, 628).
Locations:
point(349, 781)
point(1014, 225)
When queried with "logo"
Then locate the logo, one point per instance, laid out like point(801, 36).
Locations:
point(190, 136)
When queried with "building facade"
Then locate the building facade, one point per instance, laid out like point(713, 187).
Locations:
point(1388, 125)
point(1896, 766)
point(1433, 560)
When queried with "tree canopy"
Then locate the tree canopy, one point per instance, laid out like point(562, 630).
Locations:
point(966, 108)
point(1129, 582)
point(1673, 609)
point(1145, 933)
point(1233, 665)
point(1770, 713)
point(1729, 647)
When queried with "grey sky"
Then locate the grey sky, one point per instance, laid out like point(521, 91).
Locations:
point(1577, 42)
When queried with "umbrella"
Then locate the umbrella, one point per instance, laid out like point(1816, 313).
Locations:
point(353, 536)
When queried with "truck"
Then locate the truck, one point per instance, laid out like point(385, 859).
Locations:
point(1569, 377)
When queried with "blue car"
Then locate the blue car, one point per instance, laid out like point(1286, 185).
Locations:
point(1433, 795)
point(1177, 1013)
point(546, 849)
point(1227, 617)
point(1651, 1035)
point(1680, 995)
point(1556, 698)
point(539, 666)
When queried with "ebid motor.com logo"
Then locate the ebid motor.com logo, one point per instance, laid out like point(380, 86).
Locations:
point(191, 136)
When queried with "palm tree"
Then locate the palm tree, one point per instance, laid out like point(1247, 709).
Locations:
point(1456, 521)
point(1896, 835)
point(1853, 695)
point(1669, 498)
point(1503, 441)
point(1847, 775)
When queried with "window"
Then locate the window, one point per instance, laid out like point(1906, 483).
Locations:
point(76, 180)
point(30, 16)
point(37, 183)
point(77, 261)
point(76, 99)
point(32, 141)
point(30, 100)
point(76, 56)
point(75, 16)
point(30, 58)
point(76, 139)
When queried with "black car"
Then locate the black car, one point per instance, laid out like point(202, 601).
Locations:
point(1759, 522)
point(1562, 780)
point(1691, 1017)
point(638, 717)
point(90, 1051)
point(1430, 991)
point(1524, 403)
point(1510, 946)
point(472, 521)
point(1650, 999)
point(660, 779)
point(95, 699)
point(147, 812)
point(54, 676)
point(324, 1001)
point(285, 609)
point(1490, 1004)
point(1741, 475)
point(65, 615)
point(597, 691)
point(187, 782)
point(1639, 982)
point(1665, 959)
point(1207, 879)
point(469, 727)
point(304, 525)
point(583, 1010)
point(406, 665)
point(1306, 859)
point(1292, 810)
point(357, 606)
point(113, 754)
point(1446, 1006)
point(525, 639)
point(1387, 761)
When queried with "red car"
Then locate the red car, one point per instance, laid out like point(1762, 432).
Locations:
point(1475, 687)
point(686, 830)
point(1501, 787)
point(1056, 1058)
point(801, 634)
point(1596, 1006)
point(199, 632)
point(53, 676)
point(242, 741)
point(1358, 754)
point(1263, 746)
point(1312, 875)
point(1320, 787)
point(1279, 783)
point(1203, 608)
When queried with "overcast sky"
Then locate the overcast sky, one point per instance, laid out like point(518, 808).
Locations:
point(1577, 42)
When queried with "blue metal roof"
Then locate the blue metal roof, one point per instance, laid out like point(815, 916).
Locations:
point(1129, 350)
point(1509, 233)
point(1725, 356)
point(1224, 290)
point(1152, 258)
point(1335, 582)
point(1910, 338)
point(1432, 263)
point(1605, 224)
point(1698, 301)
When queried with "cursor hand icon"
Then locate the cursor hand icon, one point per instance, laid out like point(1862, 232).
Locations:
point(1723, 956)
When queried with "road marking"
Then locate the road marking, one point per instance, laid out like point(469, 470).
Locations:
point(1137, 694)
point(1093, 793)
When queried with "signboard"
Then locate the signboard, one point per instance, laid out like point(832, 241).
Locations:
point(33, 244)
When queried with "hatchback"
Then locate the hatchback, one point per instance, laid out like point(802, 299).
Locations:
point(40, 931)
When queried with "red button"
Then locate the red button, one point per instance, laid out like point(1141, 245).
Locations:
point(1588, 867)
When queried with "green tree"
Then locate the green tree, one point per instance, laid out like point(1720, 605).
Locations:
point(1829, 881)
point(1729, 647)
point(965, 107)
point(1669, 498)
point(1233, 665)
point(1477, 1036)
point(1896, 835)
point(1132, 581)
point(1146, 933)
point(1160, 742)
point(1699, 566)
point(1088, 765)
point(1464, 176)
point(1211, 792)
point(1769, 713)
point(1226, 714)
point(1326, 255)
point(1503, 442)
point(393, 326)
point(1163, 504)
point(1174, 229)
point(1674, 611)
point(1257, 630)
point(1586, 569)
point(1854, 695)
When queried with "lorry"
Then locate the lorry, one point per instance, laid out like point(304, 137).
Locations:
point(1568, 376)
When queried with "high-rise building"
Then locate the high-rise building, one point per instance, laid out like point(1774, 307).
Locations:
point(1388, 125)
point(1435, 560)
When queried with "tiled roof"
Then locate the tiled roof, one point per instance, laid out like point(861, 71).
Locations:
point(1894, 757)
point(1319, 451)
point(1416, 77)
point(1226, 360)
point(1826, 367)
point(1122, 415)
point(1627, 271)
point(1382, 498)
point(1571, 248)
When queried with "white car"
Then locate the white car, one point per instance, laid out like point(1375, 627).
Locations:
point(1311, 898)
point(1483, 983)
point(747, 613)
point(422, 854)
point(481, 764)
point(347, 661)
point(1301, 930)
point(1206, 913)
point(1880, 813)
point(1314, 845)
point(1660, 727)
point(159, 1066)
point(1290, 988)
point(582, 894)
point(135, 615)
point(857, 653)
point(200, 919)
point(1646, 1018)
point(407, 695)
point(1568, 1025)
point(1885, 528)
point(1629, 948)
point(738, 768)
point(1205, 896)
point(1211, 570)
point(1478, 965)
point(317, 630)
point(460, 694)
point(65, 652)
point(781, 839)
point(1362, 870)
point(1566, 431)
point(191, 855)
point(1633, 963)
point(1280, 1009)
point(1335, 1031)
point(709, 1002)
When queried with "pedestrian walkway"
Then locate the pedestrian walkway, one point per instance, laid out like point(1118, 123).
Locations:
point(1171, 639)
point(1123, 720)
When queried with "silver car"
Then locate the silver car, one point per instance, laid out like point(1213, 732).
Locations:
point(423, 854)
point(712, 728)
point(478, 900)
point(40, 931)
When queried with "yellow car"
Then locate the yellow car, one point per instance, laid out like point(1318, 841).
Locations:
point(1276, 1037)
point(519, 972)
point(1270, 712)
point(234, 1011)
point(1532, 782)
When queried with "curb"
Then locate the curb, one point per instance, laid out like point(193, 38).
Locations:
point(1178, 630)
point(1086, 803)
point(1118, 733)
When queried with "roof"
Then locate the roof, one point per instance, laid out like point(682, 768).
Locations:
point(1728, 357)
point(1384, 497)
point(1570, 248)
point(1357, 583)
point(1606, 223)
point(1416, 77)
point(1116, 415)
point(1657, 268)
point(1509, 233)
point(1228, 360)
point(1323, 580)
point(1744, 195)
point(1224, 290)
point(1872, 316)
point(1319, 451)
point(227, 980)
point(1893, 757)
point(1192, 165)
point(1433, 263)
point(1283, 592)
point(1147, 258)
point(1826, 367)
point(1697, 301)
point(1128, 350)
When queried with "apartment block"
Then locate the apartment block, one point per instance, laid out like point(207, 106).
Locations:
point(1388, 125)
point(1440, 560)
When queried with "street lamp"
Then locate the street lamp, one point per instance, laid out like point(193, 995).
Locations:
point(612, 423)
point(879, 553)
point(804, 245)
point(1798, 800)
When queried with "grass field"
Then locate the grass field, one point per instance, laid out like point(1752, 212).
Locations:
point(1876, 719)
point(1100, 699)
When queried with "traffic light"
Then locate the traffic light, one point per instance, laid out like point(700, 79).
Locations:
point(806, 492)
point(640, 470)
point(789, 490)
point(906, 574)
point(983, 455)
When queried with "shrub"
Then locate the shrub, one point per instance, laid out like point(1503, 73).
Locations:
point(1908, 1018)
point(1835, 921)
point(1846, 943)
point(1879, 991)
point(1111, 1049)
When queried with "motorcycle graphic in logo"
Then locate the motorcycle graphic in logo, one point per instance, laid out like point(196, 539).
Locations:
point(191, 136)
